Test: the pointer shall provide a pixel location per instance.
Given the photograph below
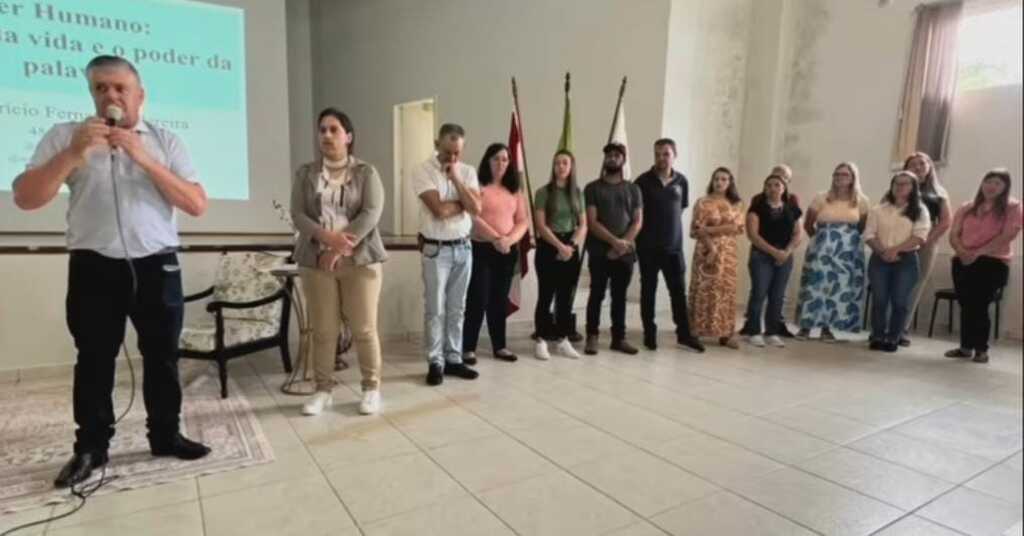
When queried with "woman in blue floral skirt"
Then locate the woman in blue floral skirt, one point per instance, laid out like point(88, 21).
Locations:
point(833, 280)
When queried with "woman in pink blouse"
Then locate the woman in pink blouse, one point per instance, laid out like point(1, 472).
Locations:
point(497, 230)
point(982, 237)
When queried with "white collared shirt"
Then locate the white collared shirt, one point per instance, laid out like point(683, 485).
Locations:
point(148, 219)
point(430, 176)
point(887, 223)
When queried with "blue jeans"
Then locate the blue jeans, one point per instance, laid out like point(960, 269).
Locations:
point(767, 282)
point(446, 273)
point(892, 287)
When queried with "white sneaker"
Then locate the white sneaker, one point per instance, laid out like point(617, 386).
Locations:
point(540, 351)
point(566, 349)
point(370, 404)
point(776, 341)
point(756, 340)
point(317, 403)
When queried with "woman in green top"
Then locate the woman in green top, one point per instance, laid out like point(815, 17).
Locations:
point(561, 223)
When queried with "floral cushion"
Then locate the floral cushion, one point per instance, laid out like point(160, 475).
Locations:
point(201, 337)
point(244, 277)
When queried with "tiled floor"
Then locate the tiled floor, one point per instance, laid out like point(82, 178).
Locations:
point(811, 439)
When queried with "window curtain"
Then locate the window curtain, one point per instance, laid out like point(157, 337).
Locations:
point(930, 84)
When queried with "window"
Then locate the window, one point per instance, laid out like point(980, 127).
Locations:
point(990, 46)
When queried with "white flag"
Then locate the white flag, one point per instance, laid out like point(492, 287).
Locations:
point(619, 136)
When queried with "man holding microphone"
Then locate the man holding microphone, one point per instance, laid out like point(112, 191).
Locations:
point(126, 179)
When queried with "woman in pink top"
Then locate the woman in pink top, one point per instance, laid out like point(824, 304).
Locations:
point(982, 237)
point(497, 231)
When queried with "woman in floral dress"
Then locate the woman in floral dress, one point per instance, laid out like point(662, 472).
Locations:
point(718, 218)
point(832, 284)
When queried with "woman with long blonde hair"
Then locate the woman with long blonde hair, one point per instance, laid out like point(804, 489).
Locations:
point(833, 279)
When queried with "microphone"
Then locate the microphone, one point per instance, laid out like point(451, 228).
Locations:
point(114, 115)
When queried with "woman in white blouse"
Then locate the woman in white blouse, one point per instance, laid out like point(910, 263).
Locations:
point(896, 229)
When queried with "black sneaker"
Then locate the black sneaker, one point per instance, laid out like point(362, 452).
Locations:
point(651, 341)
point(890, 347)
point(784, 332)
point(876, 346)
point(179, 447)
point(690, 342)
point(435, 376)
point(79, 468)
point(460, 370)
point(624, 347)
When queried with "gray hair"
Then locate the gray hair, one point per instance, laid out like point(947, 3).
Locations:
point(106, 61)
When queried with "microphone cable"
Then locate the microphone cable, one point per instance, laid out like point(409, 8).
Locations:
point(85, 490)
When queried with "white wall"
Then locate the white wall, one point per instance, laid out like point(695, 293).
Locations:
point(705, 88)
point(34, 333)
point(370, 56)
point(845, 77)
point(32, 320)
point(301, 113)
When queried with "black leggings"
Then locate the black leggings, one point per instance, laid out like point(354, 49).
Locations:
point(976, 285)
point(488, 294)
point(556, 281)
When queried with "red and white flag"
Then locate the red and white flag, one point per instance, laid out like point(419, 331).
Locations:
point(515, 145)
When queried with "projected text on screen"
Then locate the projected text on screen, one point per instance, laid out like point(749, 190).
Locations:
point(190, 55)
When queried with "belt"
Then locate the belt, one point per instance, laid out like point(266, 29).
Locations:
point(456, 242)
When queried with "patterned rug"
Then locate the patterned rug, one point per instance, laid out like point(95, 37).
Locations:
point(37, 432)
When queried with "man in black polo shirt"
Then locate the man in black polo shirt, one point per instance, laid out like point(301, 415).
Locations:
point(660, 244)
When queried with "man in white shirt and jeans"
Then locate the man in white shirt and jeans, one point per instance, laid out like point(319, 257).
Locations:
point(450, 197)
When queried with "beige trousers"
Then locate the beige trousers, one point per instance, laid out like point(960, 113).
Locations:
point(349, 294)
point(926, 259)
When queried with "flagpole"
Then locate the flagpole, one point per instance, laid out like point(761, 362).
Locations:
point(564, 141)
point(522, 141)
point(618, 106)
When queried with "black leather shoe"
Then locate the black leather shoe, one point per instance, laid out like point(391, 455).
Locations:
point(890, 347)
point(692, 343)
point(503, 355)
point(79, 468)
point(435, 376)
point(650, 341)
point(624, 347)
point(785, 333)
point(460, 370)
point(876, 346)
point(179, 447)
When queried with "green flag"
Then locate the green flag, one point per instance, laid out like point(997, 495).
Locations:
point(565, 140)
